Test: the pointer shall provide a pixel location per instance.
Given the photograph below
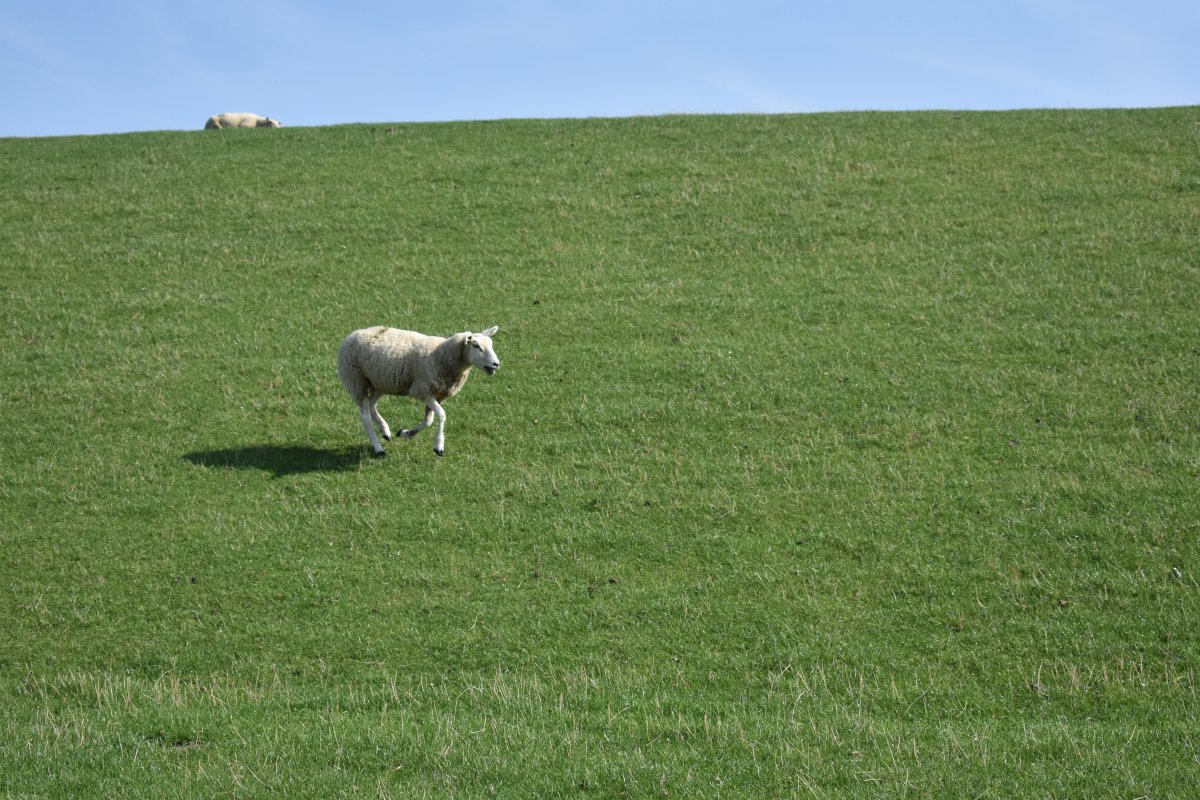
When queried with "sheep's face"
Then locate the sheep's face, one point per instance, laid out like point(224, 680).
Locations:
point(479, 351)
point(268, 123)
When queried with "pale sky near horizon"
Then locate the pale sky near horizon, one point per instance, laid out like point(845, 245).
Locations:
point(110, 66)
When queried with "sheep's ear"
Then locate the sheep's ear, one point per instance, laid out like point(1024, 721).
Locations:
point(491, 331)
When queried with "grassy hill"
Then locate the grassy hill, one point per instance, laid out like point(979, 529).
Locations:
point(848, 455)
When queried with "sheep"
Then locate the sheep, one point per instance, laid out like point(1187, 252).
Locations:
point(378, 361)
point(227, 120)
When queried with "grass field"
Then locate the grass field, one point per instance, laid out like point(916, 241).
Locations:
point(848, 455)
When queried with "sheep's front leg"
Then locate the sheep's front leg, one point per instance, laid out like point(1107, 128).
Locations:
point(408, 433)
point(364, 413)
point(439, 442)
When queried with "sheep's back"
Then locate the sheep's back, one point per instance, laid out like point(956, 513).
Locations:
point(389, 358)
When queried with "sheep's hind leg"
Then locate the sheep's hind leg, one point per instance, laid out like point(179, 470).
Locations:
point(364, 413)
point(373, 401)
point(408, 433)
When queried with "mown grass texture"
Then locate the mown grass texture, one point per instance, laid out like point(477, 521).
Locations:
point(849, 455)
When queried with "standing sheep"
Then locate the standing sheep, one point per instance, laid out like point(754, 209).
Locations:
point(379, 361)
point(228, 120)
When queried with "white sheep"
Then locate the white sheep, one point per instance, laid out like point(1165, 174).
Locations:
point(379, 361)
point(228, 120)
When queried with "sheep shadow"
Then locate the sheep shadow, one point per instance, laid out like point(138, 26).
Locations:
point(281, 460)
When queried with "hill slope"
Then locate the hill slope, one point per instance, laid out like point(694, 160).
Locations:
point(834, 455)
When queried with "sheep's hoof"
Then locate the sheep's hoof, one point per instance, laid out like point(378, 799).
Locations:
point(378, 453)
point(437, 452)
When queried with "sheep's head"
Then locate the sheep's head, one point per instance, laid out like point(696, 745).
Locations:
point(268, 123)
point(479, 352)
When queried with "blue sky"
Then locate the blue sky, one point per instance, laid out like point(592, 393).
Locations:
point(106, 66)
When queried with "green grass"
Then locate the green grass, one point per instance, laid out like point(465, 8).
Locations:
point(850, 455)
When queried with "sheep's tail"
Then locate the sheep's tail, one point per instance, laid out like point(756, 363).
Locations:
point(349, 373)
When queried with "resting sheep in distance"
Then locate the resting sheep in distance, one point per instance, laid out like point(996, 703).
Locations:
point(240, 121)
point(379, 361)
